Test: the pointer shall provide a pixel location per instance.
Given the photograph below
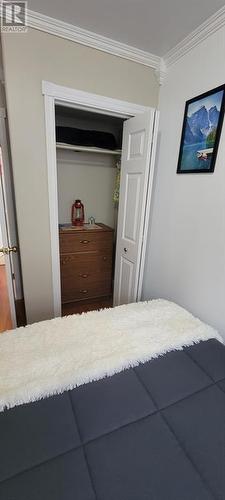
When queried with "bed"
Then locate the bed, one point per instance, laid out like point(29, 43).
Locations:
point(153, 430)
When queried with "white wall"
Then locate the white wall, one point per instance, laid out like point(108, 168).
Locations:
point(28, 59)
point(89, 177)
point(186, 253)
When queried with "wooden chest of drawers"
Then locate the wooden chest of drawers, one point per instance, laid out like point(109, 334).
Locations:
point(86, 263)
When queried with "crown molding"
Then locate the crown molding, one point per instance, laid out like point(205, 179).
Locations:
point(90, 39)
point(161, 71)
point(205, 30)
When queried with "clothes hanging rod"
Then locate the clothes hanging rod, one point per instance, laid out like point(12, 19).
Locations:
point(86, 149)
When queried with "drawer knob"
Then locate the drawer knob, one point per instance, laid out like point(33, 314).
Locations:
point(83, 275)
point(104, 258)
point(84, 242)
point(83, 291)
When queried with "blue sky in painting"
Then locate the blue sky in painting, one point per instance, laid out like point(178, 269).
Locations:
point(208, 102)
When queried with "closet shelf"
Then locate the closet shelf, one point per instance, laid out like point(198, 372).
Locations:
point(72, 147)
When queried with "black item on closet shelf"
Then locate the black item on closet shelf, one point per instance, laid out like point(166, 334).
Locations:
point(89, 138)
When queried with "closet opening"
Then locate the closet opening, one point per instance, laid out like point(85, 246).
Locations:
point(88, 154)
point(89, 115)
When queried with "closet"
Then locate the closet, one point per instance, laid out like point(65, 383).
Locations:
point(88, 152)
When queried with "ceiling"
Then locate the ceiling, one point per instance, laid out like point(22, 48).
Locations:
point(155, 26)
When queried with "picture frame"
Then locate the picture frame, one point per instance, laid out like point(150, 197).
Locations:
point(201, 130)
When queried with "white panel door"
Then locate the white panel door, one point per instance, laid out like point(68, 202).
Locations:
point(8, 224)
point(7, 181)
point(135, 168)
point(5, 245)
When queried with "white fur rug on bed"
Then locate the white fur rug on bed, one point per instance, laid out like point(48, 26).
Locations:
point(52, 356)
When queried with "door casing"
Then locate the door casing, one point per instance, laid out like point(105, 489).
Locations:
point(57, 94)
point(4, 224)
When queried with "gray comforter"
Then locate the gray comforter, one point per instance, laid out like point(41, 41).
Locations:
point(156, 432)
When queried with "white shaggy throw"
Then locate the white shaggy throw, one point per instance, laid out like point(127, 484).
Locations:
point(52, 356)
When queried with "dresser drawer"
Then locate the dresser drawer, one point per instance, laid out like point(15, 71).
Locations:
point(85, 241)
point(83, 263)
point(85, 275)
point(86, 263)
point(95, 285)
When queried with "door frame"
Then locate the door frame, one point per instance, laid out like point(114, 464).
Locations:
point(57, 94)
point(3, 218)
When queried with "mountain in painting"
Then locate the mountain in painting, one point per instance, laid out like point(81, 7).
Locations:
point(200, 124)
point(214, 116)
point(188, 137)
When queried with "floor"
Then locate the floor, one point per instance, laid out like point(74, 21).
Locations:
point(5, 317)
point(84, 306)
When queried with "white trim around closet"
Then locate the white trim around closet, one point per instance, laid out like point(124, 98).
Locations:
point(81, 99)
point(57, 94)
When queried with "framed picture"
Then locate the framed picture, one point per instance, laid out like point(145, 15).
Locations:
point(203, 119)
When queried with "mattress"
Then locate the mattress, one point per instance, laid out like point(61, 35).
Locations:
point(155, 431)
